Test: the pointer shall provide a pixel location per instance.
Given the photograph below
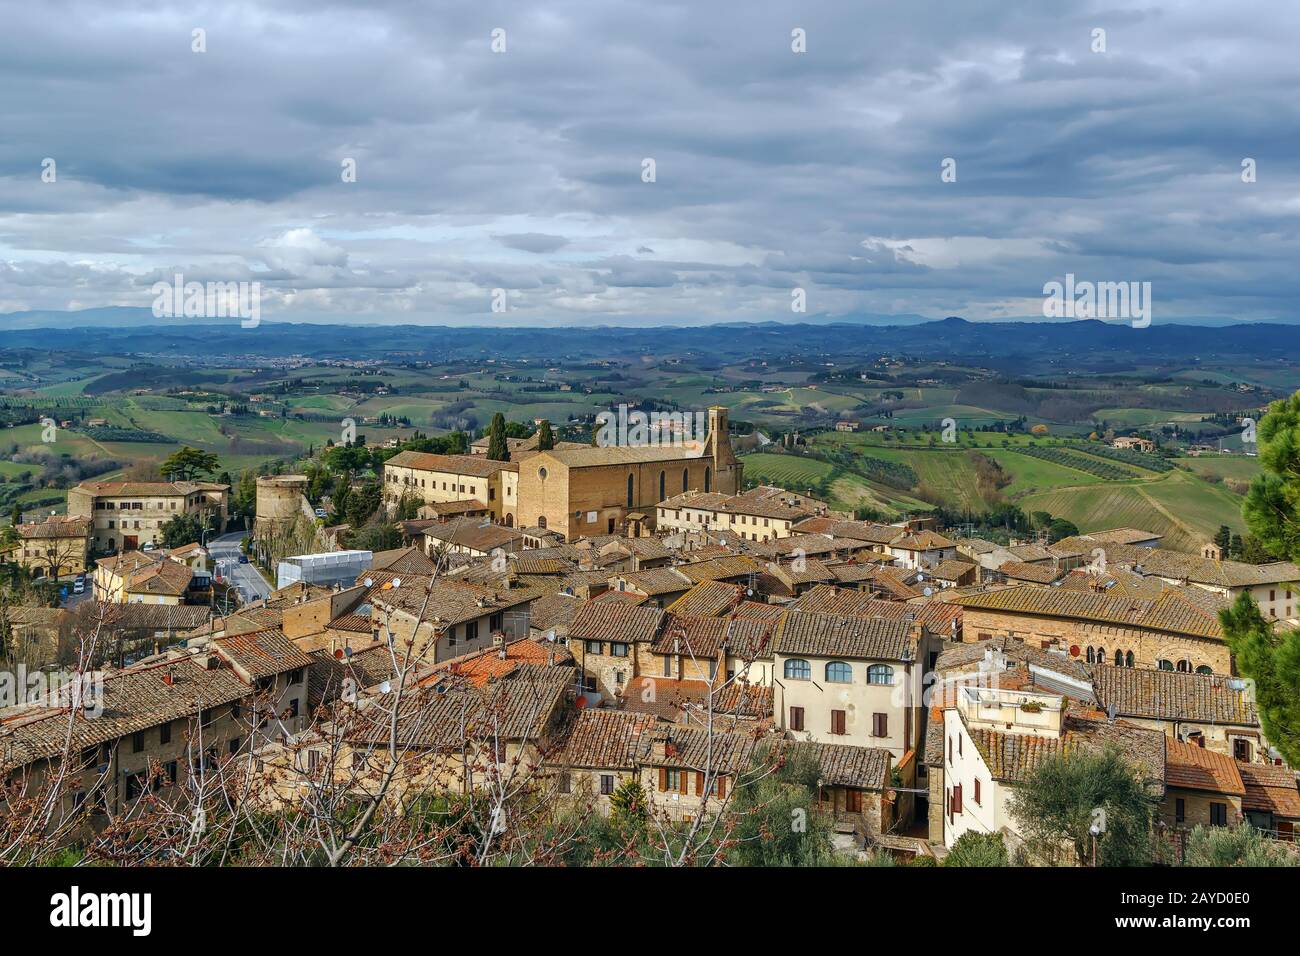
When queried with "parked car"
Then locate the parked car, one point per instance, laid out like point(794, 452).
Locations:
point(243, 559)
point(79, 586)
point(148, 546)
point(322, 513)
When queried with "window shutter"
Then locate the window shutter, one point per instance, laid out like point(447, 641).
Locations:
point(663, 778)
point(699, 783)
point(722, 787)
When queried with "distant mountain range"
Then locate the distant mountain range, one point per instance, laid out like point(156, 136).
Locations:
point(1055, 349)
point(132, 317)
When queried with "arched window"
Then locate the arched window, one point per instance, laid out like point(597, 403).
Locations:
point(1092, 657)
point(629, 491)
point(1184, 667)
point(796, 669)
point(708, 479)
point(662, 482)
point(1128, 659)
point(1204, 669)
point(837, 672)
point(1119, 658)
point(541, 521)
point(510, 521)
point(1165, 665)
point(686, 479)
point(880, 674)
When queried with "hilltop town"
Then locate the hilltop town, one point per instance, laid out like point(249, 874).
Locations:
point(539, 643)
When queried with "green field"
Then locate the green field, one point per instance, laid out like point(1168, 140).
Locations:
point(1185, 510)
point(807, 475)
point(1238, 467)
point(1144, 416)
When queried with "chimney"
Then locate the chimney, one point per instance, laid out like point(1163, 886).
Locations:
point(661, 742)
point(170, 677)
point(499, 642)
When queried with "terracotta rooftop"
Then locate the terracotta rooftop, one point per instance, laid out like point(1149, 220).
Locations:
point(133, 699)
point(694, 749)
point(1013, 757)
point(811, 634)
point(475, 466)
point(56, 526)
point(708, 598)
point(614, 622)
point(1172, 612)
point(1174, 695)
point(1271, 789)
point(1190, 767)
point(604, 739)
point(262, 653)
point(487, 665)
point(663, 697)
point(1045, 572)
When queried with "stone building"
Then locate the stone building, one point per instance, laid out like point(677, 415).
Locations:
point(155, 723)
point(1177, 631)
point(1208, 710)
point(55, 546)
point(125, 515)
point(487, 484)
point(280, 501)
point(571, 491)
point(588, 491)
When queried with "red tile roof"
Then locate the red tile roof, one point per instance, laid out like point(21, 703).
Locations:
point(1194, 768)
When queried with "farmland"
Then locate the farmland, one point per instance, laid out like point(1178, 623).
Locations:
point(931, 431)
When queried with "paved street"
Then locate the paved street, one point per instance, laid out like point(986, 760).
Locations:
point(225, 555)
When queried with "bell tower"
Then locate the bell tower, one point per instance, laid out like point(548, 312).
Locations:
point(726, 469)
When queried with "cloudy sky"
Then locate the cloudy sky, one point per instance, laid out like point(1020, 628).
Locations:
point(774, 170)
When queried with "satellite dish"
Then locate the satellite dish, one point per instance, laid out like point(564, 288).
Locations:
point(927, 591)
point(749, 592)
point(385, 687)
point(338, 655)
point(550, 635)
point(397, 582)
point(368, 583)
point(347, 652)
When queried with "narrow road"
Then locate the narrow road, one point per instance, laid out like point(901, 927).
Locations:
point(225, 555)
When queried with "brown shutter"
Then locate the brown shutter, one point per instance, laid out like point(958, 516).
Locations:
point(663, 778)
point(699, 783)
point(722, 787)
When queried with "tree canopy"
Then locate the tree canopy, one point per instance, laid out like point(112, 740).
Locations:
point(1272, 661)
point(545, 437)
point(1065, 795)
point(498, 447)
point(1272, 506)
point(188, 464)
